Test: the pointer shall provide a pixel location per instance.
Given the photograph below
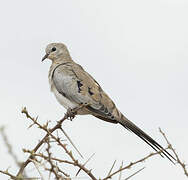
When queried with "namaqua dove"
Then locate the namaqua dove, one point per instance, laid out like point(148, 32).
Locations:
point(74, 87)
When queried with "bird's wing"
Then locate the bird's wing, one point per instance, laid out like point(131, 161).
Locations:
point(72, 81)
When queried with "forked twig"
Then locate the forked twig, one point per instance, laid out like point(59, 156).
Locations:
point(183, 165)
point(85, 163)
point(57, 126)
point(49, 133)
point(132, 164)
point(71, 141)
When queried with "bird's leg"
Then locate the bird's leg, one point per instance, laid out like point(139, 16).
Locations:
point(71, 113)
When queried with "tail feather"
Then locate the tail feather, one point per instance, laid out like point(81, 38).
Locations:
point(151, 142)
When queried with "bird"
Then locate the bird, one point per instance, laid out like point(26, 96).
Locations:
point(73, 87)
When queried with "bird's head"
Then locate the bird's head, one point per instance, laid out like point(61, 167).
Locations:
point(57, 52)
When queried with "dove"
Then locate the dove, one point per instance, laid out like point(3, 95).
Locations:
point(74, 88)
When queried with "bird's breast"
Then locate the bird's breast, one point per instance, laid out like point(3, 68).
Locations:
point(66, 103)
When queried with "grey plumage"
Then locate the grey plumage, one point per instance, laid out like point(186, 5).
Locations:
point(73, 86)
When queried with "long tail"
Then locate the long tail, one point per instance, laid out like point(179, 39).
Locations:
point(151, 142)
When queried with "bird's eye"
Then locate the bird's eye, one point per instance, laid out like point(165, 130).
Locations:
point(53, 49)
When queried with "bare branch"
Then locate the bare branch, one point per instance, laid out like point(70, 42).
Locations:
point(57, 126)
point(85, 163)
point(135, 173)
point(53, 168)
point(49, 133)
point(133, 163)
point(36, 164)
point(176, 155)
point(112, 168)
point(120, 174)
point(54, 165)
point(71, 142)
point(8, 174)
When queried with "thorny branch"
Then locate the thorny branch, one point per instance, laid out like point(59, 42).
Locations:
point(183, 165)
point(57, 126)
point(135, 173)
point(53, 167)
point(132, 164)
point(54, 162)
point(49, 133)
point(8, 174)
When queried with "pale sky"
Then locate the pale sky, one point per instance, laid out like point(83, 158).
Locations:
point(138, 52)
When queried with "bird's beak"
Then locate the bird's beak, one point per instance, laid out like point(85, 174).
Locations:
point(46, 56)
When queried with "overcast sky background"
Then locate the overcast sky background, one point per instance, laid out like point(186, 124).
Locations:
point(138, 52)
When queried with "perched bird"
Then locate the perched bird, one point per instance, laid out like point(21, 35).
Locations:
point(74, 87)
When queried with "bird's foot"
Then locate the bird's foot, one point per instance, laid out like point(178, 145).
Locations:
point(71, 113)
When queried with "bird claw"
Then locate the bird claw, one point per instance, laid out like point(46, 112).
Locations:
point(71, 113)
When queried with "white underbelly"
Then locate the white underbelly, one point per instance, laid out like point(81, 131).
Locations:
point(66, 103)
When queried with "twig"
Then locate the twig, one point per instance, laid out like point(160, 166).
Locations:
point(53, 168)
point(8, 174)
point(46, 157)
point(71, 142)
point(49, 133)
point(85, 163)
point(120, 174)
point(135, 173)
point(36, 164)
point(64, 173)
point(57, 126)
point(176, 155)
point(132, 164)
point(111, 168)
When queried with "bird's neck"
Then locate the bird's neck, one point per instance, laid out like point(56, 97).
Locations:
point(62, 59)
